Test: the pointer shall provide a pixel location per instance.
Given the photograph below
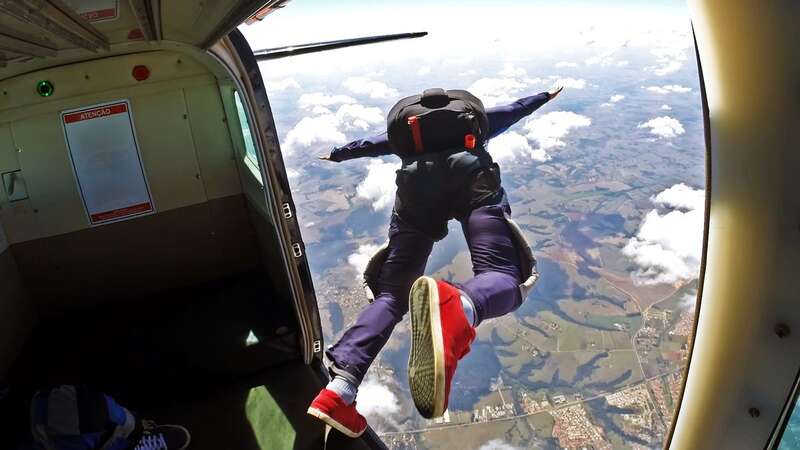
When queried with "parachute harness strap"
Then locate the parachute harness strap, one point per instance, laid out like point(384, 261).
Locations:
point(416, 134)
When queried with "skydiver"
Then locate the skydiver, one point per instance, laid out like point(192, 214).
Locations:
point(435, 184)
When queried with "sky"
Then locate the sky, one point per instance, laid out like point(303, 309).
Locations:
point(505, 29)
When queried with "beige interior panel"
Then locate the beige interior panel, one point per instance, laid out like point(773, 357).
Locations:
point(8, 151)
point(46, 167)
point(19, 219)
point(192, 21)
point(92, 77)
point(167, 148)
point(742, 370)
point(212, 141)
point(186, 150)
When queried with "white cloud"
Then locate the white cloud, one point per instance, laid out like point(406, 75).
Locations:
point(598, 60)
point(367, 86)
point(665, 127)
point(670, 58)
point(375, 399)
point(667, 88)
point(498, 444)
point(314, 99)
point(281, 85)
point(666, 107)
point(623, 63)
point(681, 196)
point(570, 83)
point(508, 146)
point(667, 248)
point(424, 70)
point(561, 64)
point(320, 110)
point(329, 128)
point(312, 131)
point(616, 98)
point(496, 91)
point(358, 117)
point(549, 129)
point(361, 257)
point(379, 185)
point(612, 45)
point(668, 68)
point(509, 71)
point(688, 301)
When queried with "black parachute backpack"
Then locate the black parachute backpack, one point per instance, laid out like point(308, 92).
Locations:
point(435, 121)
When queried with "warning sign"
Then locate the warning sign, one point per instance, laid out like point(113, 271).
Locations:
point(95, 10)
point(107, 162)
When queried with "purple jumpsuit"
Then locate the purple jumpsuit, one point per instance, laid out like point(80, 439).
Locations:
point(415, 226)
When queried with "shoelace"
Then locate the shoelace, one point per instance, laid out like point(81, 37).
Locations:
point(152, 442)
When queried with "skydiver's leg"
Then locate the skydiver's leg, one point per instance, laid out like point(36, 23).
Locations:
point(495, 289)
point(409, 249)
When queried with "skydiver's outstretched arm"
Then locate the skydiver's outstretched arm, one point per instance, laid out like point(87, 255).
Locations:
point(373, 146)
point(501, 118)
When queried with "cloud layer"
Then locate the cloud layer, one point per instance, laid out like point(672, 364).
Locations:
point(369, 87)
point(508, 146)
point(327, 127)
point(379, 186)
point(664, 127)
point(497, 91)
point(498, 444)
point(550, 129)
point(361, 257)
point(375, 399)
point(281, 85)
point(669, 88)
point(313, 99)
point(667, 248)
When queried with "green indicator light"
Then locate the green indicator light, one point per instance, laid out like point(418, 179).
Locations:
point(45, 88)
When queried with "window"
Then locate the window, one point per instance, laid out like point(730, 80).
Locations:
point(606, 181)
point(790, 440)
point(250, 156)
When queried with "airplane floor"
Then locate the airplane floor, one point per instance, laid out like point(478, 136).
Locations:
point(265, 412)
point(220, 359)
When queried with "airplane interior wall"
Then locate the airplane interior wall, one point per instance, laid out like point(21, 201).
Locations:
point(202, 229)
point(16, 312)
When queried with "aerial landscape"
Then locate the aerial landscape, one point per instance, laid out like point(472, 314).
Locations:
point(606, 181)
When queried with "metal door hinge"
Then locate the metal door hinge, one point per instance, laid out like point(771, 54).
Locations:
point(317, 346)
point(287, 211)
point(297, 250)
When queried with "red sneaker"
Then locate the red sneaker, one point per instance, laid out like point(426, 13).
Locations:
point(440, 337)
point(329, 408)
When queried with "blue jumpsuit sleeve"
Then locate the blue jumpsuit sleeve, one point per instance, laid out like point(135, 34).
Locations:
point(501, 118)
point(373, 146)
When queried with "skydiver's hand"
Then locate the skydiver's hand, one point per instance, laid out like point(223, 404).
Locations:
point(325, 158)
point(553, 93)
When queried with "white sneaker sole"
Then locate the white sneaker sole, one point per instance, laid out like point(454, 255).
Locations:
point(332, 423)
point(426, 376)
